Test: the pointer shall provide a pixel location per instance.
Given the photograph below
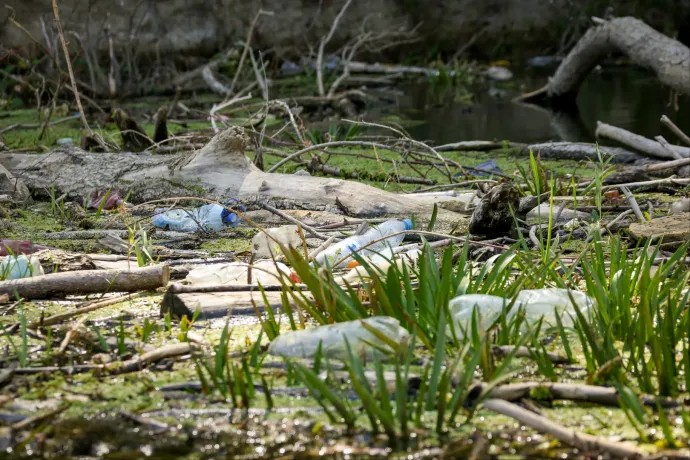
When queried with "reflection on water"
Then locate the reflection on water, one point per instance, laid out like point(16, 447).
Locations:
point(630, 99)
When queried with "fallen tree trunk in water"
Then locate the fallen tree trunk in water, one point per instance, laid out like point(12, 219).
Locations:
point(580, 151)
point(668, 58)
point(219, 170)
point(641, 143)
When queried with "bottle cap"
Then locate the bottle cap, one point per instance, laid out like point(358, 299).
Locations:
point(408, 224)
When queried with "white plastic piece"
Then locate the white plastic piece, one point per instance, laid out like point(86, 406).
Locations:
point(543, 303)
point(15, 267)
point(305, 343)
point(264, 247)
point(237, 273)
point(382, 261)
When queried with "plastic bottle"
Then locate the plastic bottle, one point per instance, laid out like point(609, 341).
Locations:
point(305, 343)
point(210, 217)
point(15, 267)
point(342, 251)
point(535, 303)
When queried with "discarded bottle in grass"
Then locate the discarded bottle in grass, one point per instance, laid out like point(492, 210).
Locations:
point(305, 343)
point(237, 273)
point(339, 254)
point(15, 267)
point(535, 303)
point(210, 217)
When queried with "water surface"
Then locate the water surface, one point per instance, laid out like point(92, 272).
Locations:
point(626, 97)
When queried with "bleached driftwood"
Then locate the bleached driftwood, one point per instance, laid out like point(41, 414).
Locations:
point(668, 58)
point(218, 170)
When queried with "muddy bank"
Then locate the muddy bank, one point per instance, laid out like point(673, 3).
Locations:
point(175, 29)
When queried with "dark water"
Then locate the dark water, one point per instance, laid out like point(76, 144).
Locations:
point(629, 98)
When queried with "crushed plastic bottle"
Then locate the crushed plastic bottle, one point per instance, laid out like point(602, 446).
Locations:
point(210, 217)
point(264, 247)
point(16, 267)
point(237, 273)
point(339, 254)
point(305, 343)
point(536, 303)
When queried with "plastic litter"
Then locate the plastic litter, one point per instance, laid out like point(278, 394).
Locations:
point(16, 267)
point(382, 261)
point(486, 168)
point(536, 303)
point(342, 251)
point(237, 273)
point(264, 247)
point(111, 202)
point(305, 343)
point(14, 247)
point(210, 217)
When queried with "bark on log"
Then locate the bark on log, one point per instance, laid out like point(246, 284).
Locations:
point(217, 304)
point(581, 152)
point(88, 282)
point(668, 58)
point(219, 170)
point(641, 143)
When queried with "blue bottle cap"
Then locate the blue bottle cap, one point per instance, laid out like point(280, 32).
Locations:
point(408, 224)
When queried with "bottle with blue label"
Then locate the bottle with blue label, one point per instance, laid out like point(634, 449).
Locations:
point(210, 217)
point(340, 254)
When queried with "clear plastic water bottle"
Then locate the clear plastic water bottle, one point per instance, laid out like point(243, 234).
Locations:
point(210, 217)
point(387, 228)
point(342, 251)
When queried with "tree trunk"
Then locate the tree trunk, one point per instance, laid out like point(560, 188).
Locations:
point(218, 170)
point(668, 58)
point(88, 282)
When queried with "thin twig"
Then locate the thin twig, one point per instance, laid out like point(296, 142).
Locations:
point(70, 334)
point(321, 248)
point(55, 319)
point(311, 230)
point(407, 138)
point(322, 46)
point(585, 442)
point(675, 129)
point(287, 110)
point(633, 204)
point(38, 418)
point(329, 144)
point(69, 68)
point(247, 42)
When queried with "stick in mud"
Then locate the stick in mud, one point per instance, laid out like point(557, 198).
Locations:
point(585, 442)
point(55, 319)
point(675, 130)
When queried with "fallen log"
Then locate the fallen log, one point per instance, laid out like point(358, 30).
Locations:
point(605, 396)
point(87, 282)
point(219, 170)
point(580, 151)
point(217, 304)
point(668, 58)
point(641, 143)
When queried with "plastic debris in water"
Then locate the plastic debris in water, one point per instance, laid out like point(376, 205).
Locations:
point(305, 343)
point(543, 303)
